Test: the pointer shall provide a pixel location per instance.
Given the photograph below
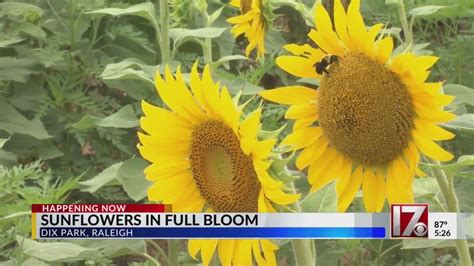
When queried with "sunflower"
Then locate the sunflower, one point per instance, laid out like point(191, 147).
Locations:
point(250, 22)
point(371, 116)
point(203, 158)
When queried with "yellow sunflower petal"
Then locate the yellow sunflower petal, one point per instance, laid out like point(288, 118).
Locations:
point(210, 92)
point(197, 87)
point(166, 169)
point(304, 122)
point(297, 66)
point(194, 245)
point(229, 111)
point(243, 252)
point(262, 206)
point(355, 24)
point(269, 206)
point(207, 250)
point(251, 125)
point(234, 3)
point(431, 131)
point(192, 203)
point(269, 251)
point(306, 50)
point(279, 197)
point(240, 29)
point(397, 193)
point(346, 197)
point(290, 95)
point(162, 115)
point(340, 23)
point(225, 249)
point(311, 153)
point(159, 153)
point(319, 39)
point(324, 26)
point(301, 110)
point(373, 187)
point(384, 49)
point(431, 149)
point(166, 93)
point(400, 171)
point(346, 171)
point(381, 190)
point(302, 138)
point(327, 169)
point(425, 62)
point(188, 102)
point(262, 149)
point(267, 181)
point(257, 252)
point(242, 18)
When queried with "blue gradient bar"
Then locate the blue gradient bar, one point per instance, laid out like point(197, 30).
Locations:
point(217, 232)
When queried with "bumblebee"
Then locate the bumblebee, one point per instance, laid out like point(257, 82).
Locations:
point(322, 66)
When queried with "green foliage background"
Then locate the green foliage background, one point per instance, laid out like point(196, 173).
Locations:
point(73, 73)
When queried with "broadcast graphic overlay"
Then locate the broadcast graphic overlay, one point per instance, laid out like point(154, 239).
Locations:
point(152, 221)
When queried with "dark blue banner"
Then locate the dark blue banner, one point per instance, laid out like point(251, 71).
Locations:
point(212, 232)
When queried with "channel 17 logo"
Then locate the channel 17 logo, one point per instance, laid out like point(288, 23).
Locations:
point(409, 220)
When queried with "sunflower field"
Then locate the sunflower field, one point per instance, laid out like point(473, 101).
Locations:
point(236, 106)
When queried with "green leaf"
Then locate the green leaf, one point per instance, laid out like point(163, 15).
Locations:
point(129, 68)
point(144, 10)
point(3, 141)
point(32, 30)
point(430, 243)
point(15, 215)
point(7, 158)
point(240, 85)
point(464, 95)
point(464, 122)
point(132, 178)
point(104, 178)
point(228, 58)
point(215, 15)
point(123, 118)
point(55, 251)
point(323, 200)
point(86, 122)
point(13, 122)
point(17, 69)
point(463, 162)
point(47, 150)
point(425, 10)
point(425, 187)
point(180, 35)
point(19, 9)
point(468, 226)
point(391, 2)
point(5, 43)
point(116, 247)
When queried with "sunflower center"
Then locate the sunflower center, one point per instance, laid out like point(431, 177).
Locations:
point(223, 173)
point(245, 6)
point(365, 110)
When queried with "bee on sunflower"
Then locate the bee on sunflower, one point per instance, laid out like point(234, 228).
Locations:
point(371, 116)
point(252, 23)
point(204, 158)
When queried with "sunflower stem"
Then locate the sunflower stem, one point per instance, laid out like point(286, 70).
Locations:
point(165, 39)
point(446, 184)
point(407, 30)
point(304, 249)
point(173, 251)
point(207, 41)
